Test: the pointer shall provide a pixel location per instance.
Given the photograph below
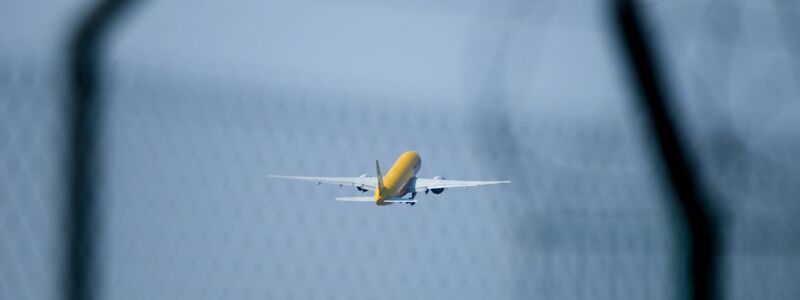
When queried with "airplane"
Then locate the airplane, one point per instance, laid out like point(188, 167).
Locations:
point(399, 182)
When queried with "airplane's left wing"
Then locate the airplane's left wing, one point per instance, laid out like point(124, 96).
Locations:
point(367, 183)
point(423, 184)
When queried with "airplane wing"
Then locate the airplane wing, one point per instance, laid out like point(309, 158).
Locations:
point(356, 199)
point(423, 184)
point(367, 183)
point(399, 200)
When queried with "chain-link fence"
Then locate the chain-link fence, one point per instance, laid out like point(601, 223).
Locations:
point(202, 100)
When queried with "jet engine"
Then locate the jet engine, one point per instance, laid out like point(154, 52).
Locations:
point(439, 190)
point(360, 189)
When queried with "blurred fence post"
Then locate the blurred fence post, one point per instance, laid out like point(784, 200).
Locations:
point(84, 114)
point(697, 226)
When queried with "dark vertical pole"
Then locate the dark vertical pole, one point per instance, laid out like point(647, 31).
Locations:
point(698, 230)
point(84, 116)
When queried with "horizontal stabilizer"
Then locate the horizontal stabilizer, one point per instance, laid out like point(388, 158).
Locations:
point(357, 198)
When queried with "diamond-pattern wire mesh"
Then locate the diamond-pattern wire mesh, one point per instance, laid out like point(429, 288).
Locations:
point(736, 69)
point(30, 181)
point(307, 234)
point(189, 212)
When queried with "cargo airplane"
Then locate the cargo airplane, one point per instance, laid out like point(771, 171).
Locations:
point(400, 185)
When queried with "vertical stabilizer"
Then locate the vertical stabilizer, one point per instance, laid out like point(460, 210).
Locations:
point(379, 175)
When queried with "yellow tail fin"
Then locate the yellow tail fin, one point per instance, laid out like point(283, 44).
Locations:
point(380, 177)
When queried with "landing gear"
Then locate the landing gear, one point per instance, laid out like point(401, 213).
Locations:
point(412, 203)
point(413, 194)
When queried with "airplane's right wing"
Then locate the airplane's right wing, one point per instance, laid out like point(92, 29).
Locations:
point(400, 200)
point(423, 184)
